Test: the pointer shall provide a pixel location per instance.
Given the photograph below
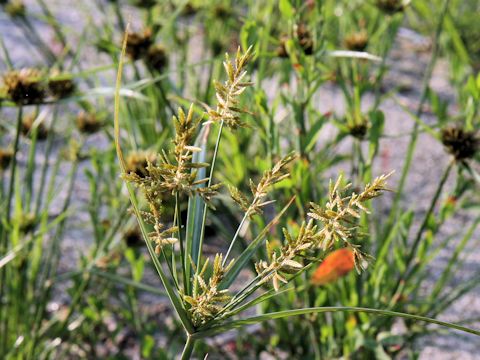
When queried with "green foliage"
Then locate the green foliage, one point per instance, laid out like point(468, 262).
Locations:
point(76, 276)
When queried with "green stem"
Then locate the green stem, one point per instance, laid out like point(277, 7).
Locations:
point(408, 271)
point(4, 236)
point(435, 198)
point(14, 161)
point(188, 349)
point(235, 238)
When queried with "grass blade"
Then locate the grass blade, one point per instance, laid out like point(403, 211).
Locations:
point(316, 310)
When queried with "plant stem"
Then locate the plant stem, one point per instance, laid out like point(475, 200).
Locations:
point(14, 161)
point(245, 217)
point(416, 242)
point(4, 236)
point(408, 272)
point(188, 349)
point(235, 238)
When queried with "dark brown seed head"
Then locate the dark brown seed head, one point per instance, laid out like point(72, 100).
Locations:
point(460, 143)
point(61, 86)
point(137, 162)
point(359, 131)
point(27, 127)
point(222, 12)
point(88, 123)
point(281, 49)
point(357, 41)
point(145, 3)
point(305, 39)
point(391, 7)
point(25, 86)
point(15, 8)
point(28, 223)
point(156, 57)
point(138, 44)
point(133, 237)
point(6, 156)
point(189, 9)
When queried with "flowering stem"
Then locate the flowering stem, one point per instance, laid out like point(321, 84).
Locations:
point(188, 349)
point(234, 238)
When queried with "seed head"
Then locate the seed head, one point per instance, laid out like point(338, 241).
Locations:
point(259, 191)
point(392, 7)
point(137, 162)
point(305, 39)
point(228, 93)
point(61, 85)
point(359, 130)
point(15, 8)
point(189, 9)
point(177, 175)
point(144, 3)
point(25, 86)
point(133, 237)
point(462, 144)
point(357, 41)
point(138, 44)
point(207, 300)
point(157, 58)
point(6, 156)
point(281, 50)
point(88, 122)
point(30, 122)
point(337, 223)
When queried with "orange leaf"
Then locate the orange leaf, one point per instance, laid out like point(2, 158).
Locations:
point(336, 265)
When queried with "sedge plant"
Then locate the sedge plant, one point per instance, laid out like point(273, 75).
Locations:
point(199, 288)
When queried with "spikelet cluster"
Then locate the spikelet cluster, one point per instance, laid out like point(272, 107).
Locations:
point(337, 223)
point(25, 86)
point(227, 94)
point(207, 299)
point(392, 6)
point(283, 261)
point(338, 213)
point(176, 177)
point(259, 191)
point(161, 234)
point(461, 143)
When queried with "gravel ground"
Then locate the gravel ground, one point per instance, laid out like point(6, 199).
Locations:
point(408, 61)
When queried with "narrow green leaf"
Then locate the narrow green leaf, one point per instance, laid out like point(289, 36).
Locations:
point(316, 310)
point(196, 208)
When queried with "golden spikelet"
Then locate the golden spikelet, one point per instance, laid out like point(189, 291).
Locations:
point(207, 299)
point(259, 191)
point(337, 218)
point(227, 94)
